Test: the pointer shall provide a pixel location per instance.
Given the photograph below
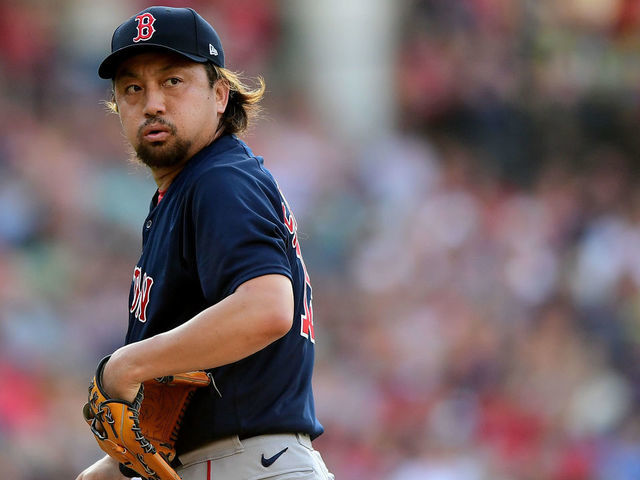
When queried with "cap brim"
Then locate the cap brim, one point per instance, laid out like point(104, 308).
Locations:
point(110, 65)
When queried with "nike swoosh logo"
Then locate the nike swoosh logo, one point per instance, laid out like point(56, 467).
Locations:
point(267, 462)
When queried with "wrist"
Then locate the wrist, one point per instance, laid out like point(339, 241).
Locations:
point(121, 377)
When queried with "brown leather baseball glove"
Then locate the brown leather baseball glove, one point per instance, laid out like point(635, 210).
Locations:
point(141, 434)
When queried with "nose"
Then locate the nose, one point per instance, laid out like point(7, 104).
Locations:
point(154, 102)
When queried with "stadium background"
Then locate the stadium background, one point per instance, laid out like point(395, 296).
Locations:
point(464, 174)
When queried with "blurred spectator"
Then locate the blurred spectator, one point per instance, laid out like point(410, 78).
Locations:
point(476, 269)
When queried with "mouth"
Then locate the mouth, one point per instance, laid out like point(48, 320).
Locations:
point(155, 133)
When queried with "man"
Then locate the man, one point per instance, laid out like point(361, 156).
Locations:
point(221, 284)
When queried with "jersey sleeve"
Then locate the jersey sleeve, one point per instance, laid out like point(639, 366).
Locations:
point(236, 231)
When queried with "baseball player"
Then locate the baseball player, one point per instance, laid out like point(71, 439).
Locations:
point(221, 284)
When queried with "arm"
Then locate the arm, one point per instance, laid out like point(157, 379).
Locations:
point(258, 313)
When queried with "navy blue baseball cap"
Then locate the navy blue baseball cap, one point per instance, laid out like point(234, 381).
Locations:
point(179, 30)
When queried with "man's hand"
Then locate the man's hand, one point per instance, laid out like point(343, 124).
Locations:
point(104, 469)
point(129, 433)
point(117, 381)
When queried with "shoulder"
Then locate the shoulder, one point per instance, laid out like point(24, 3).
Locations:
point(226, 157)
point(231, 173)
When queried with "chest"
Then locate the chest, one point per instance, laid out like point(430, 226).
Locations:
point(164, 286)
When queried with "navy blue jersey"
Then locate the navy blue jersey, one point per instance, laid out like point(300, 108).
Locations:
point(221, 222)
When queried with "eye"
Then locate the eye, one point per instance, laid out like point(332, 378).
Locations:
point(133, 88)
point(172, 82)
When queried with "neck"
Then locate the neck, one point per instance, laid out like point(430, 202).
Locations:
point(163, 176)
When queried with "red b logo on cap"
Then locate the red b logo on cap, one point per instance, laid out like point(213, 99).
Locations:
point(145, 27)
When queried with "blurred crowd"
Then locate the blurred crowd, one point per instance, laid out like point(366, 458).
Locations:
point(476, 270)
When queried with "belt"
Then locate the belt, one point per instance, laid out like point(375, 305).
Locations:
point(228, 446)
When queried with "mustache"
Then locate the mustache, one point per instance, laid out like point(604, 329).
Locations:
point(157, 121)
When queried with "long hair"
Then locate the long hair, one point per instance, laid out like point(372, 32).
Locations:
point(243, 105)
point(242, 108)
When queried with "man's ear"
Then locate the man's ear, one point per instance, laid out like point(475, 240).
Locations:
point(221, 89)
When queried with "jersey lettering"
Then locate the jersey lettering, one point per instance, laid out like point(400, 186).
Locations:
point(137, 272)
point(306, 319)
point(145, 27)
point(142, 284)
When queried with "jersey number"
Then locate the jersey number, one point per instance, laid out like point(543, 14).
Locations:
point(306, 319)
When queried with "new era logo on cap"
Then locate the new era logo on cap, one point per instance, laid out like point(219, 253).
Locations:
point(178, 30)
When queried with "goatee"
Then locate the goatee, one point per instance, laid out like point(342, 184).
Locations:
point(161, 154)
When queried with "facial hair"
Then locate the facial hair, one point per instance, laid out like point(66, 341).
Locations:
point(165, 153)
